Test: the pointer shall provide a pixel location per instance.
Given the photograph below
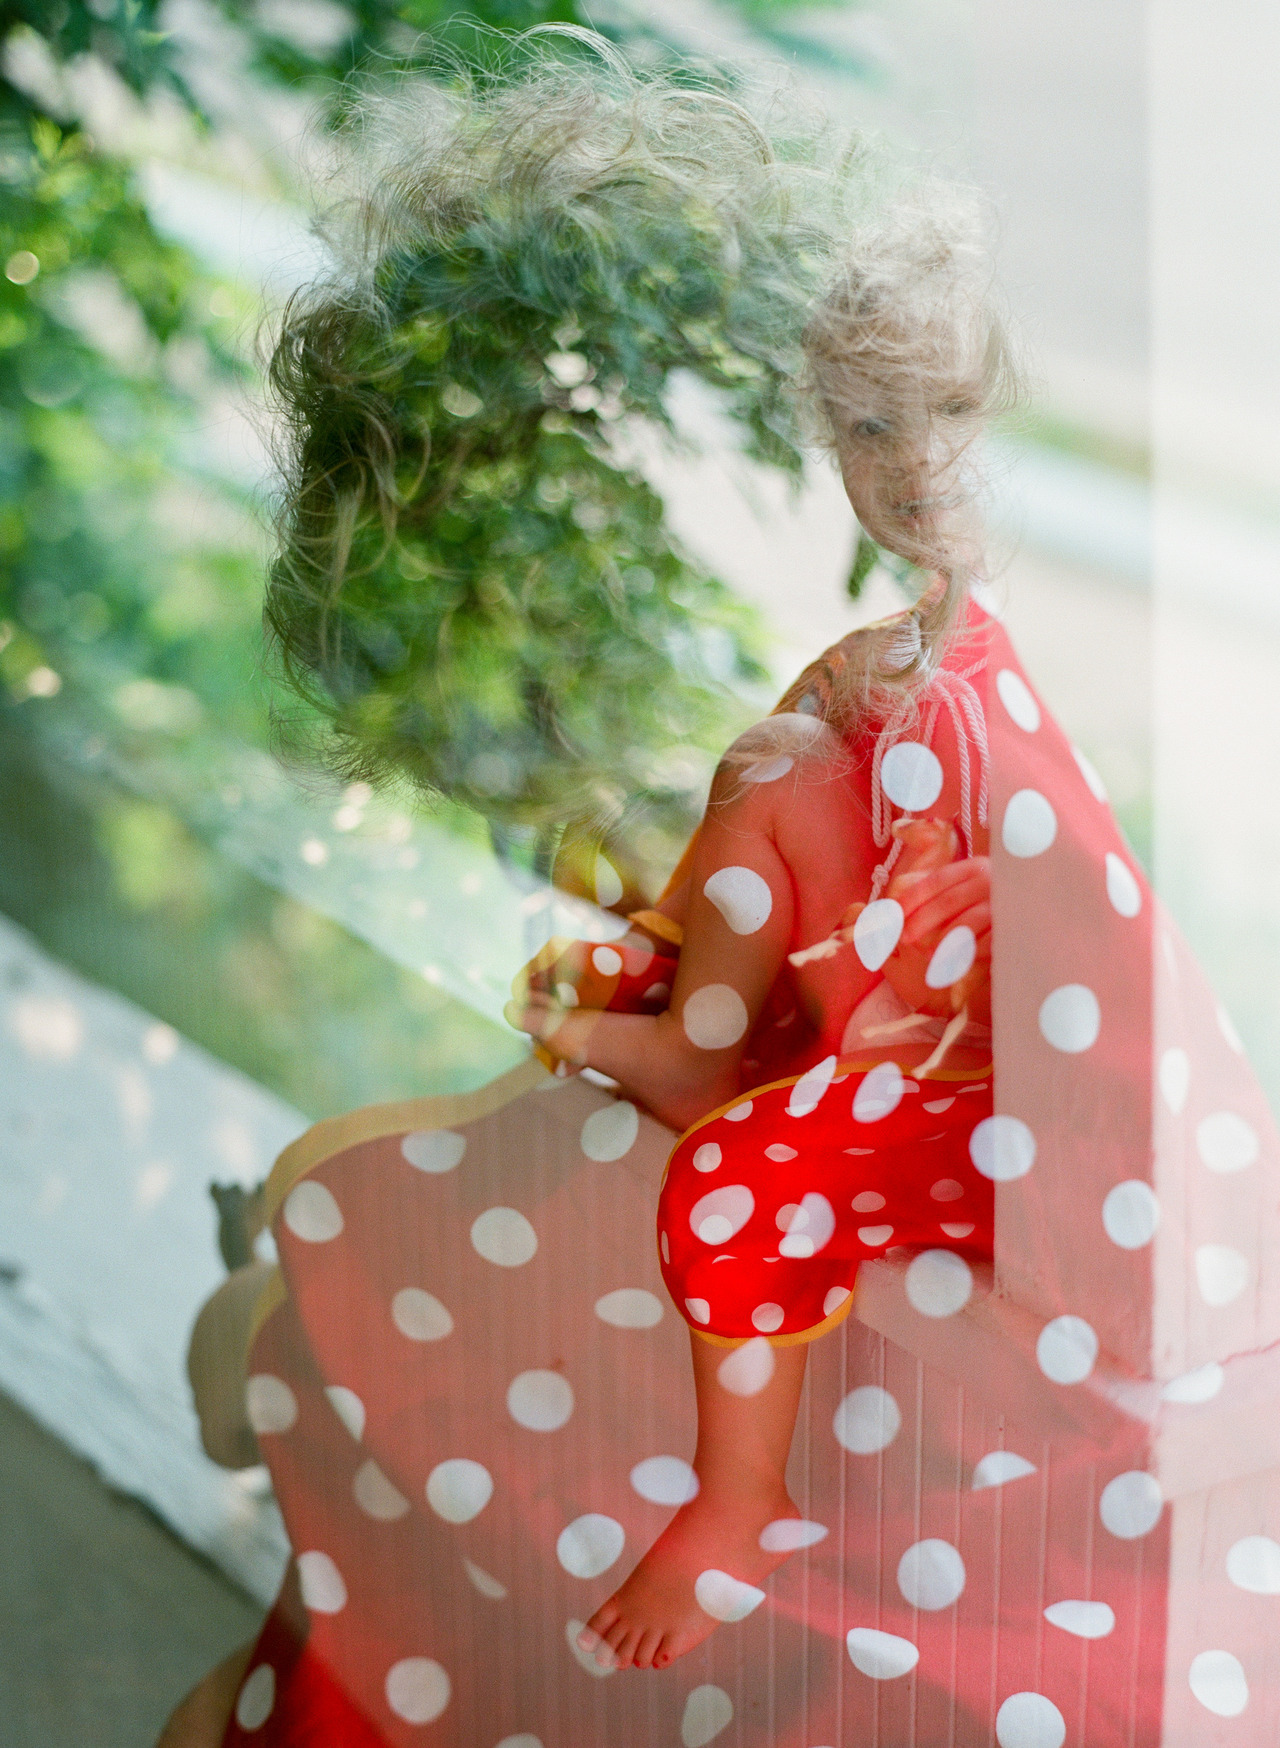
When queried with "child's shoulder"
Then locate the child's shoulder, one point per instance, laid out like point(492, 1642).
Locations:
point(785, 743)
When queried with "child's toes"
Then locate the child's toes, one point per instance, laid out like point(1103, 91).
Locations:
point(615, 1635)
point(644, 1652)
point(605, 1617)
point(625, 1650)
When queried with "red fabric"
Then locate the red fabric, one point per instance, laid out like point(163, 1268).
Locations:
point(302, 1691)
point(769, 1207)
point(924, 1438)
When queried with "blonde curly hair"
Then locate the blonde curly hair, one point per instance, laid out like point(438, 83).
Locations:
point(520, 260)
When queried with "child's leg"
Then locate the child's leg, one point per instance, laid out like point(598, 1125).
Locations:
point(202, 1718)
point(684, 1062)
point(740, 1462)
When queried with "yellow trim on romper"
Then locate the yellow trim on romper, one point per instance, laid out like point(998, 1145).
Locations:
point(273, 1295)
point(658, 925)
point(333, 1135)
point(845, 1065)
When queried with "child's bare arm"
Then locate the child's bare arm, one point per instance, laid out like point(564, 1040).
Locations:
point(684, 1062)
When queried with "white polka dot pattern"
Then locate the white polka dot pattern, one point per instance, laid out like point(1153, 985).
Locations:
point(1067, 1350)
point(716, 1217)
point(1084, 1620)
point(270, 1404)
point(257, 1698)
point(586, 1660)
point(348, 1407)
point(939, 1283)
point(1226, 1143)
point(868, 1420)
point(931, 1574)
point(1122, 886)
point(877, 931)
point(540, 1401)
point(1192, 1388)
point(665, 1481)
point(880, 1656)
point(1070, 1018)
point(630, 1308)
point(420, 1316)
point(1131, 1214)
point(1131, 1504)
point(1001, 1148)
point(1029, 1720)
point(953, 958)
point(879, 1093)
point(590, 1544)
point(1218, 1681)
point(459, 1489)
point(742, 897)
point(489, 1587)
point(1222, 1273)
point(376, 1496)
point(1175, 1079)
point(434, 1150)
point(1030, 825)
point(417, 1689)
point(714, 1017)
point(610, 1133)
point(311, 1213)
point(707, 1712)
point(1017, 699)
point(748, 1369)
point(724, 1597)
point(811, 1228)
point(911, 775)
point(1253, 1564)
point(998, 1467)
point(504, 1237)
point(1093, 782)
point(323, 1588)
point(1090, 1216)
point(788, 1534)
point(811, 1088)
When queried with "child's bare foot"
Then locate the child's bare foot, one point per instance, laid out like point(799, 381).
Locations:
point(705, 1567)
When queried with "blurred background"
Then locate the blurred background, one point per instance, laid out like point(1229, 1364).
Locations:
point(201, 952)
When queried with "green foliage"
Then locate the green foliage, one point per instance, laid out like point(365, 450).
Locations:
point(103, 324)
point(473, 590)
point(130, 570)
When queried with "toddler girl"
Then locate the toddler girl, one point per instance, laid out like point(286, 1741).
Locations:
point(825, 1050)
point(459, 594)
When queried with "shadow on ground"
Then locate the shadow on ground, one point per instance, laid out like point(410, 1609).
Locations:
point(106, 1619)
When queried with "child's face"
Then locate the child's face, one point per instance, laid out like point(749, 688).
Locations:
point(899, 459)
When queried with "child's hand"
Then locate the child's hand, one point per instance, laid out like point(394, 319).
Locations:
point(632, 975)
point(563, 1032)
point(936, 901)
